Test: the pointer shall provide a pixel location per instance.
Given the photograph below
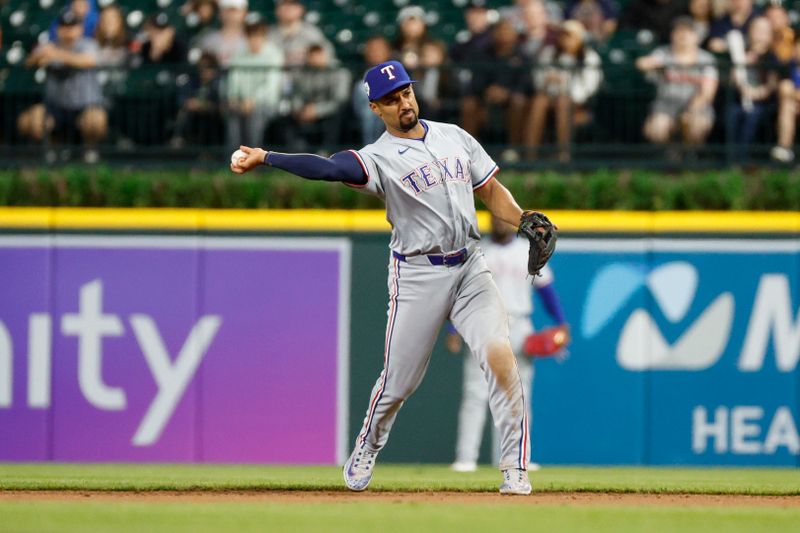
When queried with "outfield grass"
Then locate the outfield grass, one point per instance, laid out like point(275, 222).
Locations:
point(350, 517)
point(389, 477)
point(355, 514)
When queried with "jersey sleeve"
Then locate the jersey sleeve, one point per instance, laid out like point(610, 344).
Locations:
point(482, 166)
point(373, 184)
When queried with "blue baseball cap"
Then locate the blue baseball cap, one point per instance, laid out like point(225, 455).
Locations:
point(384, 78)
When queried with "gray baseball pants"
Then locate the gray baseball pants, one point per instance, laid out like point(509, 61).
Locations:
point(421, 297)
point(475, 396)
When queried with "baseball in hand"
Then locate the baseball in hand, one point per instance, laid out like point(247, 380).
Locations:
point(235, 156)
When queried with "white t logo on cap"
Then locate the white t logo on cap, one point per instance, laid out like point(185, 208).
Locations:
point(389, 71)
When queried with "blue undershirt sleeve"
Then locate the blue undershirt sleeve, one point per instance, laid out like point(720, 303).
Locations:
point(552, 303)
point(341, 166)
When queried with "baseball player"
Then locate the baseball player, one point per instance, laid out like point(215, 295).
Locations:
point(505, 256)
point(428, 174)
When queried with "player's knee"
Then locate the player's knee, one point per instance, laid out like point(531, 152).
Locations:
point(31, 123)
point(696, 130)
point(501, 363)
point(24, 124)
point(786, 89)
point(94, 122)
point(657, 129)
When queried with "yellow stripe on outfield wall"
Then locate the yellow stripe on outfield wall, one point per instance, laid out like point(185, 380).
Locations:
point(340, 220)
point(677, 221)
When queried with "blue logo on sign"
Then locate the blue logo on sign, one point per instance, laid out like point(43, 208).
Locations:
point(641, 344)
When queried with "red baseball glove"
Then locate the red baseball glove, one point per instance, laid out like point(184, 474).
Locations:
point(547, 342)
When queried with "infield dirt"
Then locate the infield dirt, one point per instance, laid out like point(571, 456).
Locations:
point(444, 497)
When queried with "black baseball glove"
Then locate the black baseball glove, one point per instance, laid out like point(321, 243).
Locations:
point(542, 235)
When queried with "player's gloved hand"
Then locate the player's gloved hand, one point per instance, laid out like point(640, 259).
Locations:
point(542, 235)
point(548, 342)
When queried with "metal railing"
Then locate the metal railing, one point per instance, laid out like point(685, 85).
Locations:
point(149, 120)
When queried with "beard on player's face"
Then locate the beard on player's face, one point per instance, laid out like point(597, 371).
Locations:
point(408, 120)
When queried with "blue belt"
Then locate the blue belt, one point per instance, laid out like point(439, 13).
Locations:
point(452, 259)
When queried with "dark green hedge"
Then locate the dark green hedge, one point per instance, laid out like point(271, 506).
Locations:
point(627, 190)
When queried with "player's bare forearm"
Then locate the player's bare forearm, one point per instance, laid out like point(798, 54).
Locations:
point(499, 201)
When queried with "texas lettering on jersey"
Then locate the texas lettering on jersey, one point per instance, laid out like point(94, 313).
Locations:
point(435, 173)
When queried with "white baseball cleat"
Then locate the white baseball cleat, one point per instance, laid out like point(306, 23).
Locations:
point(515, 481)
point(464, 466)
point(357, 470)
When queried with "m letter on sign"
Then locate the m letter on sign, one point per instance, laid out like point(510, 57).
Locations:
point(389, 71)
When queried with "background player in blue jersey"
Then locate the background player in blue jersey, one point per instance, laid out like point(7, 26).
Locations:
point(428, 174)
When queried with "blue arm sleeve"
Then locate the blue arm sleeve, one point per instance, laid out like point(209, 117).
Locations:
point(552, 303)
point(341, 166)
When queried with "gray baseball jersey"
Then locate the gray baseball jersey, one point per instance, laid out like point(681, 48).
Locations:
point(423, 183)
point(428, 187)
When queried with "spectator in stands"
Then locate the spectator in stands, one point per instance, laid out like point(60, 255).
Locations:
point(538, 33)
point(112, 37)
point(702, 14)
point(788, 99)
point(163, 45)
point(317, 101)
point(740, 14)
point(756, 86)
point(199, 118)
point(656, 16)
point(200, 16)
point(515, 13)
point(86, 10)
point(437, 87)
point(569, 74)
point(478, 36)
point(473, 42)
point(255, 84)
point(73, 99)
point(599, 17)
point(229, 40)
point(376, 50)
point(412, 33)
point(497, 85)
point(783, 34)
point(686, 82)
point(294, 35)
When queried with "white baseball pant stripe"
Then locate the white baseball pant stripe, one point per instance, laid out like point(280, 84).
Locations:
point(376, 396)
point(420, 301)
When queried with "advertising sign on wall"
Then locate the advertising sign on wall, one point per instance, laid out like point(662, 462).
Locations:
point(156, 348)
point(688, 350)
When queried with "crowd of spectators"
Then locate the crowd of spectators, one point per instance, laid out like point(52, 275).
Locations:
point(524, 75)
